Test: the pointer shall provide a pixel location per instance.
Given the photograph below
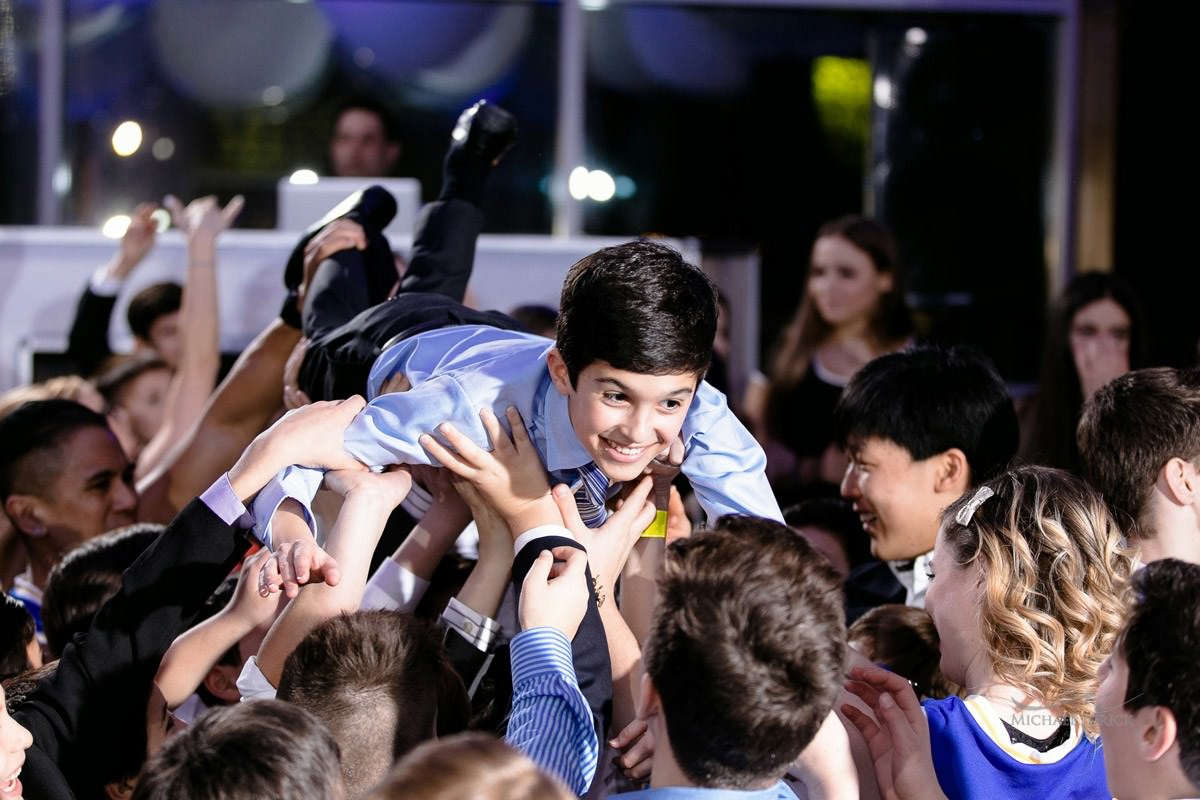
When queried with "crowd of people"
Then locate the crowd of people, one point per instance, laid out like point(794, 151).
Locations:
point(407, 548)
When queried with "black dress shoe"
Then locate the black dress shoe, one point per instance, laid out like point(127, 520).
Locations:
point(485, 129)
point(372, 207)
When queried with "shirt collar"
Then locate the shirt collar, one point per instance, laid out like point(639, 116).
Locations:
point(914, 577)
point(563, 449)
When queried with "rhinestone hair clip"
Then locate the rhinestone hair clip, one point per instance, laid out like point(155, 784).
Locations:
point(964, 515)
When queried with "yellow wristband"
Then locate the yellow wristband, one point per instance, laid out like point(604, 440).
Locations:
point(658, 528)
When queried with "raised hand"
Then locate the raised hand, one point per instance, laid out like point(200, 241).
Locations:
point(295, 563)
point(137, 241)
point(312, 436)
point(510, 477)
point(249, 606)
point(609, 545)
point(898, 737)
point(203, 218)
point(293, 395)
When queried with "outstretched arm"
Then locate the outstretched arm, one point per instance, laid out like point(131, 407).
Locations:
point(81, 715)
point(87, 342)
point(369, 499)
point(199, 355)
point(243, 405)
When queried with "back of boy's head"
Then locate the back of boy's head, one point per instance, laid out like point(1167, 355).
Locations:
point(639, 307)
point(903, 639)
point(1161, 646)
point(929, 400)
point(251, 750)
point(467, 765)
point(16, 632)
point(746, 650)
point(85, 579)
point(381, 682)
point(1130, 428)
point(154, 301)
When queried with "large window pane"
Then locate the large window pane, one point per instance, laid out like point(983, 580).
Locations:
point(232, 94)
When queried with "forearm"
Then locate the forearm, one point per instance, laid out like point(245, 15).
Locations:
point(626, 658)
point(194, 653)
point(550, 720)
point(639, 584)
point(423, 549)
point(242, 406)
point(485, 587)
point(350, 545)
point(199, 356)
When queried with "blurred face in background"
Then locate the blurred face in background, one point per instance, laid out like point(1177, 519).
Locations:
point(360, 147)
point(844, 284)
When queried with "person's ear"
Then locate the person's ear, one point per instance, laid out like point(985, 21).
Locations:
point(120, 790)
point(649, 703)
point(953, 474)
point(885, 282)
point(26, 514)
point(392, 154)
point(559, 372)
point(221, 681)
point(1158, 733)
point(1178, 480)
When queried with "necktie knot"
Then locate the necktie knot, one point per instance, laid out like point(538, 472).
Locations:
point(591, 495)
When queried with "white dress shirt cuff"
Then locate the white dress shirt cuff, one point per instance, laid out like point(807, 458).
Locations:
point(393, 588)
point(103, 286)
point(479, 630)
point(252, 684)
point(537, 533)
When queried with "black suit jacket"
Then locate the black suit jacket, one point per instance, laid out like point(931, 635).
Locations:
point(92, 709)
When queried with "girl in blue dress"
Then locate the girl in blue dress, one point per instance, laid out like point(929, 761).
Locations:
point(1026, 592)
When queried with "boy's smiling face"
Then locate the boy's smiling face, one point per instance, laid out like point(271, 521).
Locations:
point(624, 419)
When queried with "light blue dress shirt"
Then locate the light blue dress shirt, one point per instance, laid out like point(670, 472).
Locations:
point(456, 371)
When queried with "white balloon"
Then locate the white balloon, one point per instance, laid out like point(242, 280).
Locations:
point(227, 53)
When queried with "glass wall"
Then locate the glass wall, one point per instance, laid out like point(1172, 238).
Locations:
point(227, 96)
point(744, 125)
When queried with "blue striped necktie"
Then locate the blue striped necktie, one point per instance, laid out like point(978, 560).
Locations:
point(591, 495)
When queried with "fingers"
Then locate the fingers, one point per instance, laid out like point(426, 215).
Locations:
point(516, 424)
point(539, 571)
point(232, 209)
point(175, 207)
point(269, 580)
point(883, 681)
point(496, 435)
point(567, 508)
point(287, 569)
point(330, 572)
point(636, 512)
point(877, 740)
point(449, 459)
point(569, 563)
point(629, 734)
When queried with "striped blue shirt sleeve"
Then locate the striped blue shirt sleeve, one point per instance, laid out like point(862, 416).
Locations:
point(551, 721)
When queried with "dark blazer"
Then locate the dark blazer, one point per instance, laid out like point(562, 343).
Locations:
point(87, 714)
